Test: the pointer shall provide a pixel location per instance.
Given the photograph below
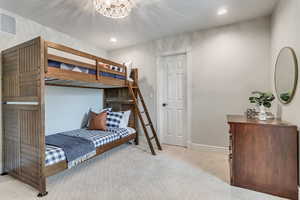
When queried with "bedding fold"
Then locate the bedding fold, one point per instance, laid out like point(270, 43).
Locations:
point(77, 149)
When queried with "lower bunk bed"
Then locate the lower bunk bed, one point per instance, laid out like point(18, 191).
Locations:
point(57, 160)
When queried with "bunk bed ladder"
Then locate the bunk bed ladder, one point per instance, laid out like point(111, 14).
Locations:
point(137, 95)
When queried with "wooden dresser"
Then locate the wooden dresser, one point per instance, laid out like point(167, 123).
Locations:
point(264, 156)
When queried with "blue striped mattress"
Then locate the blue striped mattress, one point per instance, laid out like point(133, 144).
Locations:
point(59, 65)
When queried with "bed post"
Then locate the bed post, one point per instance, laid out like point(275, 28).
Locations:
point(126, 79)
point(45, 54)
point(23, 113)
point(42, 143)
point(97, 70)
point(134, 76)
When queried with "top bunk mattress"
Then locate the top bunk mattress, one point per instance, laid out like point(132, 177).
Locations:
point(60, 65)
point(99, 138)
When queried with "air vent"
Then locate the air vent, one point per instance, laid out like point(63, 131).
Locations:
point(7, 24)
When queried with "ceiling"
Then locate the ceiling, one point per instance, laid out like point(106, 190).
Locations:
point(150, 19)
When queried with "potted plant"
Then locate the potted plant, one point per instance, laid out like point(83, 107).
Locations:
point(262, 100)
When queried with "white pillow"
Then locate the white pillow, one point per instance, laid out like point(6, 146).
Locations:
point(76, 69)
point(100, 110)
point(66, 67)
point(129, 65)
point(125, 119)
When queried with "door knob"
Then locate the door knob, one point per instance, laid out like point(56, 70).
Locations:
point(164, 104)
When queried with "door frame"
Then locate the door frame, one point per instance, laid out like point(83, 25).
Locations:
point(159, 99)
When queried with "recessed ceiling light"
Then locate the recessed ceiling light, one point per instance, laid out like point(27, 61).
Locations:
point(222, 11)
point(113, 39)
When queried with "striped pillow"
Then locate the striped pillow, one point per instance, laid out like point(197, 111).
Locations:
point(114, 119)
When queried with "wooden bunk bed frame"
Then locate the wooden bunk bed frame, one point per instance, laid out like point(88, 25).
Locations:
point(25, 72)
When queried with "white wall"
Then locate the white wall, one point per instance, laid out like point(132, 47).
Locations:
point(28, 29)
point(66, 108)
point(228, 63)
point(225, 65)
point(144, 59)
point(285, 31)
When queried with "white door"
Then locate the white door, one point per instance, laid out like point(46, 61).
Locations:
point(174, 100)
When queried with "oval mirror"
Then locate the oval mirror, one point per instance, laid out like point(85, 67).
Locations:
point(286, 75)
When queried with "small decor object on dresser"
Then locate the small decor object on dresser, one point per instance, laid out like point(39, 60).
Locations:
point(263, 101)
point(251, 113)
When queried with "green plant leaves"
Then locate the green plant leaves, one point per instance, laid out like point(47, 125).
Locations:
point(262, 98)
point(267, 104)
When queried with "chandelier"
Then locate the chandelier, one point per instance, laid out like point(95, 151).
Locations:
point(114, 8)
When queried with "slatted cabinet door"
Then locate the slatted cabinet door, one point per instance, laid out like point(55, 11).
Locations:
point(11, 142)
point(23, 112)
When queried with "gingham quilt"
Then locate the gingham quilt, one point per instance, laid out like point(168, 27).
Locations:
point(54, 155)
point(99, 138)
point(122, 132)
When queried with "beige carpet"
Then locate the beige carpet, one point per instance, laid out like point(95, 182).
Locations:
point(129, 173)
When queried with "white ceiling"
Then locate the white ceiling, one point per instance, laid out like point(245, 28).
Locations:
point(151, 19)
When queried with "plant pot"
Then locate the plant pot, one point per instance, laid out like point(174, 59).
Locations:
point(262, 114)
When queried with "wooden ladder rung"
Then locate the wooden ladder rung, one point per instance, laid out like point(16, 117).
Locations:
point(152, 138)
point(148, 125)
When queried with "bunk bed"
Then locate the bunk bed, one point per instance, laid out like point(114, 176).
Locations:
point(26, 69)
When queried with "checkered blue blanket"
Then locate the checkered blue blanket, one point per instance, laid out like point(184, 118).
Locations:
point(77, 149)
point(99, 138)
point(54, 155)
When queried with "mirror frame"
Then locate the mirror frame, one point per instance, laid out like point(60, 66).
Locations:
point(295, 78)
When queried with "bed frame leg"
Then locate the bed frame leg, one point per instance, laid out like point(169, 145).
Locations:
point(136, 141)
point(42, 194)
point(4, 174)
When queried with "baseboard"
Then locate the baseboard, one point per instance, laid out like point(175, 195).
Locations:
point(204, 147)
point(195, 146)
